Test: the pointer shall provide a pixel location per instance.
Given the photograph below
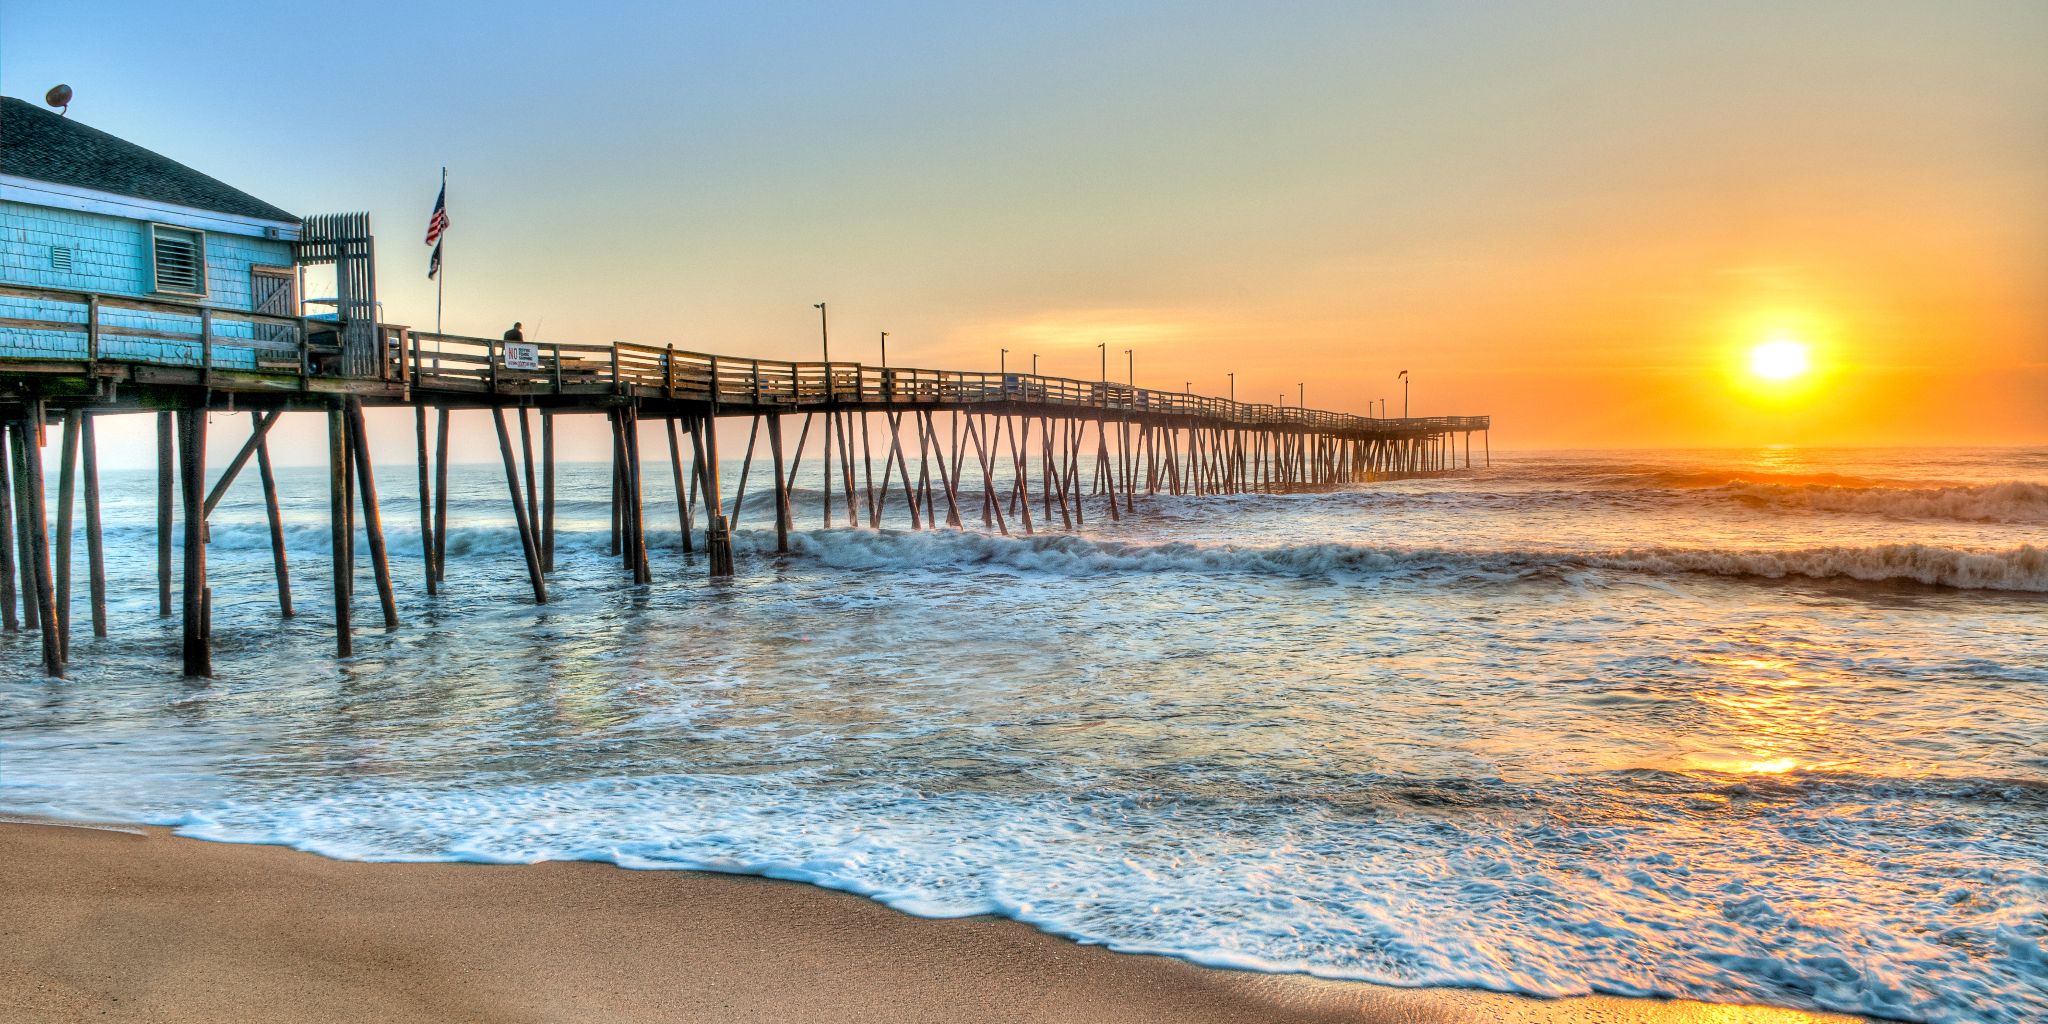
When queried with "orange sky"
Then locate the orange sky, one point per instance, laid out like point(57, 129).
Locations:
point(1574, 216)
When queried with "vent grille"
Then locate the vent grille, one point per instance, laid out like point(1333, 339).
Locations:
point(60, 259)
point(178, 264)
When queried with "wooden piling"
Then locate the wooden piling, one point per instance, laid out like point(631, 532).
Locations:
point(95, 547)
point(441, 496)
point(67, 491)
point(611, 417)
point(9, 620)
point(338, 526)
point(526, 538)
point(781, 483)
point(622, 525)
point(683, 492)
point(373, 518)
point(164, 472)
point(419, 422)
point(532, 491)
point(846, 469)
point(746, 467)
point(825, 463)
point(29, 472)
point(31, 603)
point(868, 458)
point(547, 483)
point(717, 530)
point(635, 509)
point(276, 517)
point(796, 459)
point(192, 478)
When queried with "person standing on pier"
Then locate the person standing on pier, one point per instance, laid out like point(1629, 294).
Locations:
point(515, 334)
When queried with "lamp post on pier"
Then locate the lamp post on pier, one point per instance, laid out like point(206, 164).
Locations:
point(1233, 386)
point(885, 349)
point(1132, 368)
point(1303, 400)
point(1104, 347)
point(1003, 362)
point(1034, 364)
point(824, 331)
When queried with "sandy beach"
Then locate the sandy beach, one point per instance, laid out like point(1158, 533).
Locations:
point(117, 923)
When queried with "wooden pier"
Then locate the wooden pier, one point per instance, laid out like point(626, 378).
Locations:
point(1016, 453)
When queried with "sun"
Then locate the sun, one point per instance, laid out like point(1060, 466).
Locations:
point(1778, 360)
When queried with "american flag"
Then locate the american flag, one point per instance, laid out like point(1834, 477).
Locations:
point(438, 223)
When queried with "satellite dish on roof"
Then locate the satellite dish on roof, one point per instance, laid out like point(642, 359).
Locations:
point(59, 96)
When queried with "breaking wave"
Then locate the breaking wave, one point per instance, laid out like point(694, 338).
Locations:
point(2022, 568)
point(2009, 502)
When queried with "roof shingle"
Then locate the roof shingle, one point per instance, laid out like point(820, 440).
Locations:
point(35, 143)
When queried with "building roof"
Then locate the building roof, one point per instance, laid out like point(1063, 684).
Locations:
point(36, 143)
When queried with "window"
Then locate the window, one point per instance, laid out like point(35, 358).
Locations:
point(178, 260)
point(60, 258)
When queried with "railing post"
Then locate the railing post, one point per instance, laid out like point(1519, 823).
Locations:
point(668, 371)
point(714, 385)
point(305, 356)
point(618, 386)
point(757, 382)
point(558, 369)
point(92, 328)
point(205, 346)
point(491, 362)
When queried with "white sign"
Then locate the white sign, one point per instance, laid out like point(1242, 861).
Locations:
point(521, 357)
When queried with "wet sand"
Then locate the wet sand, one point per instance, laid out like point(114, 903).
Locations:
point(140, 925)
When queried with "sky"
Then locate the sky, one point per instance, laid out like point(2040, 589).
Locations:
point(1580, 218)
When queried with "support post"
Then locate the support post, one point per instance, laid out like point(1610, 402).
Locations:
point(532, 492)
point(373, 519)
point(38, 549)
point(717, 531)
point(547, 483)
point(441, 497)
point(630, 419)
point(276, 517)
point(67, 491)
point(95, 548)
point(164, 476)
point(8, 533)
point(24, 528)
point(419, 422)
point(781, 485)
point(526, 539)
point(675, 461)
point(192, 478)
point(338, 525)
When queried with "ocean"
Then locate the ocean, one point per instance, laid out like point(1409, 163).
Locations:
point(1761, 725)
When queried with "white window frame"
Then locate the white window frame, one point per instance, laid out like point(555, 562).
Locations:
point(195, 233)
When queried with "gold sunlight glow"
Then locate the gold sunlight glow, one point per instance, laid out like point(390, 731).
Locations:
point(1778, 359)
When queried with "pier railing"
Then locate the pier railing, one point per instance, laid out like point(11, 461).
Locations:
point(447, 362)
point(93, 327)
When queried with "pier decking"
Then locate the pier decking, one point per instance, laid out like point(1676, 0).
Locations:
point(84, 355)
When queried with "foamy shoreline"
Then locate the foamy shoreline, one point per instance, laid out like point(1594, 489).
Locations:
point(130, 922)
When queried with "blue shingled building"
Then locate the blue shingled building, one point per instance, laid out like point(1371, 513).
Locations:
point(82, 210)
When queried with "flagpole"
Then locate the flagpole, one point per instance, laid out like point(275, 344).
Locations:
point(441, 274)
